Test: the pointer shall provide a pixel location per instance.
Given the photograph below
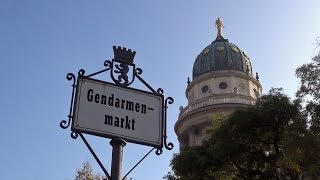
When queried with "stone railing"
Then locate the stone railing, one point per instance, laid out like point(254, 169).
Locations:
point(215, 100)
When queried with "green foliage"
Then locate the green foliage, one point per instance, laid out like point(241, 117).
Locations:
point(86, 173)
point(217, 120)
point(268, 141)
point(170, 176)
point(309, 75)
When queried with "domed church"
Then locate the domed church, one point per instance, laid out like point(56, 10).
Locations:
point(222, 81)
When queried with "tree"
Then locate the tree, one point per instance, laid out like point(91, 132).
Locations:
point(268, 141)
point(309, 75)
point(170, 176)
point(86, 173)
point(309, 92)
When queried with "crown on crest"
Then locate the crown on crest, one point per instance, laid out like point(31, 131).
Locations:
point(123, 54)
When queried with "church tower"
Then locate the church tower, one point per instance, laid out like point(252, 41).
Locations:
point(222, 81)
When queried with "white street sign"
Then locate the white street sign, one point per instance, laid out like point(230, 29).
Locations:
point(108, 110)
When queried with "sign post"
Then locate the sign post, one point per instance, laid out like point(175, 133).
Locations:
point(117, 111)
point(116, 164)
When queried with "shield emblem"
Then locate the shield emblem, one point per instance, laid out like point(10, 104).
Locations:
point(122, 73)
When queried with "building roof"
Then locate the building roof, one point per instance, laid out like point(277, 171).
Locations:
point(221, 55)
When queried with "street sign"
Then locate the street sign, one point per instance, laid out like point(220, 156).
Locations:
point(109, 110)
point(117, 111)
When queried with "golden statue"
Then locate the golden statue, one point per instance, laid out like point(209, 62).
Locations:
point(219, 26)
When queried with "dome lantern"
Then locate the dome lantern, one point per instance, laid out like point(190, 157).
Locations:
point(221, 55)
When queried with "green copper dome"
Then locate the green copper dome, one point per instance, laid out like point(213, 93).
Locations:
point(221, 55)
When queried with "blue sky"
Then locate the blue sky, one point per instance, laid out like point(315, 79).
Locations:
point(41, 41)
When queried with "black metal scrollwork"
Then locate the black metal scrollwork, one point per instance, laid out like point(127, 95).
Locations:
point(169, 146)
point(159, 151)
point(74, 135)
point(137, 74)
point(81, 72)
point(107, 64)
point(65, 124)
point(119, 67)
point(138, 71)
point(160, 91)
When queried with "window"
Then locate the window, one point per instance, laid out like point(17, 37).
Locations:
point(205, 89)
point(223, 85)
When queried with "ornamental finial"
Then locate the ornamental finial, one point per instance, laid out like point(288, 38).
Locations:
point(219, 26)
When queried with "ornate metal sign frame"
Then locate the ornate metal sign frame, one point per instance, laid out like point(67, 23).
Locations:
point(119, 67)
point(108, 134)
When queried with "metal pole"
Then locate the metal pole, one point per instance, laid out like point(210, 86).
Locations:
point(116, 165)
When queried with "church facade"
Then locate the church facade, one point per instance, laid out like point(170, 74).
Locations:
point(222, 81)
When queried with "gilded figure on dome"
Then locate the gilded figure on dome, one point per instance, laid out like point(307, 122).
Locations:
point(219, 26)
